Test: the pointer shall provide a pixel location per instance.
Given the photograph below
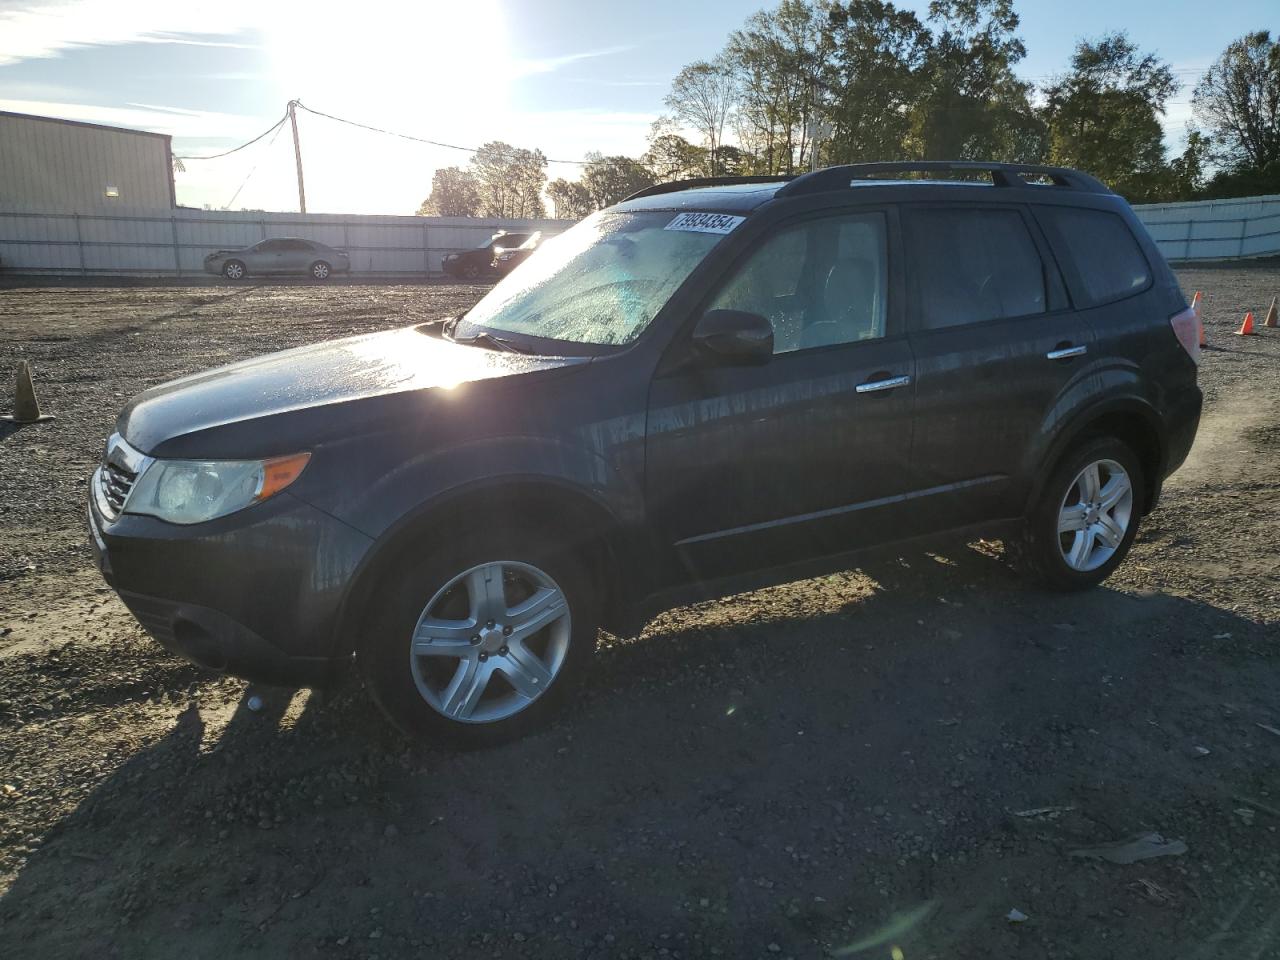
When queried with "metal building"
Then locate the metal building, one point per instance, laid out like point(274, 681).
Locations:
point(64, 166)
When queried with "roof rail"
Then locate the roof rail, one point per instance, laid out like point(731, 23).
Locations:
point(676, 185)
point(1002, 175)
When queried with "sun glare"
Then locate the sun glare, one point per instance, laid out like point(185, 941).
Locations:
point(430, 68)
point(391, 55)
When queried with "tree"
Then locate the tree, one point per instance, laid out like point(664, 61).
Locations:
point(701, 96)
point(1104, 116)
point(1186, 172)
point(509, 181)
point(780, 60)
point(672, 157)
point(1238, 100)
point(570, 200)
point(453, 194)
point(610, 179)
point(880, 55)
point(974, 108)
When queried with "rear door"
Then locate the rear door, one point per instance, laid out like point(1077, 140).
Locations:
point(750, 467)
point(996, 345)
point(297, 256)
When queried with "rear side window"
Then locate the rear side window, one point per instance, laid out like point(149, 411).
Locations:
point(1107, 261)
point(973, 265)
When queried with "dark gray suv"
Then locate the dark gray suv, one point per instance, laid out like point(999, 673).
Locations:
point(712, 384)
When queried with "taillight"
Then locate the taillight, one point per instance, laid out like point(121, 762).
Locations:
point(1186, 327)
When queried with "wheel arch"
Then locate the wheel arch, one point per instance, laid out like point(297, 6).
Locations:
point(1132, 421)
point(596, 535)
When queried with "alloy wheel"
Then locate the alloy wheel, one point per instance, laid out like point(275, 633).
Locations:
point(1095, 515)
point(490, 642)
point(320, 271)
point(234, 271)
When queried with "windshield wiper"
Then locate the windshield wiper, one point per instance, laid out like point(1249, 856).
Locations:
point(480, 336)
point(484, 336)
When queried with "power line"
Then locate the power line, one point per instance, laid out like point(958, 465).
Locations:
point(273, 127)
point(254, 168)
point(407, 136)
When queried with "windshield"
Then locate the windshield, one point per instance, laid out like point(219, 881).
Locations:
point(601, 282)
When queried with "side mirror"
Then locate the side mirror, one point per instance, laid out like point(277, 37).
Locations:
point(735, 336)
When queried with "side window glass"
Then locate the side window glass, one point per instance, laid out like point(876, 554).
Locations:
point(973, 265)
point(1103, 250)
point(819, 283)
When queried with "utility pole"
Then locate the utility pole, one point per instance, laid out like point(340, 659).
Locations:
point(297, 155)
point(818, 128)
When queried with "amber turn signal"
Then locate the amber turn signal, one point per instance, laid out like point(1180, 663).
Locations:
point(279, 472)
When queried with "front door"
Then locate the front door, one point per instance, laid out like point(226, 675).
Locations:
point(750, 467)
point(996, 347)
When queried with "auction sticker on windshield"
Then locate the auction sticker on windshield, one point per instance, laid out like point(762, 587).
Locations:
point(704, 222)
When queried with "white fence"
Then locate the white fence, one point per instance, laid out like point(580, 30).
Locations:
point(174, 243)
point(1215, 229)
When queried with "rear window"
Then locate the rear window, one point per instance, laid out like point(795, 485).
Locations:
point(973, 265)
point(1101, 249)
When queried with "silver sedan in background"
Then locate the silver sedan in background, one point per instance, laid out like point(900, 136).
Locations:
point(280, 255)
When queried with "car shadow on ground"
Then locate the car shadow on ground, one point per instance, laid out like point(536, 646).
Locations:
point(742, 774)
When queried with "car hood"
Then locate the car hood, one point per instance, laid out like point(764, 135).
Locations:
point(313, 387)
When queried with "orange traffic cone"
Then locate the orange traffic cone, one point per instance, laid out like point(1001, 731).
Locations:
point(1270, 320)
point(26, 408)
point(1246, 328)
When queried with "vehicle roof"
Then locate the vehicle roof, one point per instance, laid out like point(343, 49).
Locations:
point(1005, 182)
point(741, 197)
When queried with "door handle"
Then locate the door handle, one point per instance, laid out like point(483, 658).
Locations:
point(892, 383)
point(1066, 353)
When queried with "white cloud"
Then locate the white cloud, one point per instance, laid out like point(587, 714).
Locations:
point(551, 64)
point(29, 32)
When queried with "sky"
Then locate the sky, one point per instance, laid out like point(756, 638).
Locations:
point(565, 76)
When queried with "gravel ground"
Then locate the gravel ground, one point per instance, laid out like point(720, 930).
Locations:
point(896, 756)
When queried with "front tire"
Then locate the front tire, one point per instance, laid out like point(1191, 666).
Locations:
point(233, 270)
point(320, 270)
point(1086, 516)
point(482, 641)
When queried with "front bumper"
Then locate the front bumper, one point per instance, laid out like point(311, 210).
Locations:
point(257, 594)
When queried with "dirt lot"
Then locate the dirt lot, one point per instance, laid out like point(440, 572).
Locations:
point(849, 764)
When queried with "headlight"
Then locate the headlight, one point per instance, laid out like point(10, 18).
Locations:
point(192, 491)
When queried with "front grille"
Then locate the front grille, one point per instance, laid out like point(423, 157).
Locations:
point(116, 483)
point(121, 467)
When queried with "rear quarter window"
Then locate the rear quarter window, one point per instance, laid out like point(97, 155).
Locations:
point(1100, 250)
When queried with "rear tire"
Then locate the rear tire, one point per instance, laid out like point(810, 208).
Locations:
point(1086, 516)
point(437, 635)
